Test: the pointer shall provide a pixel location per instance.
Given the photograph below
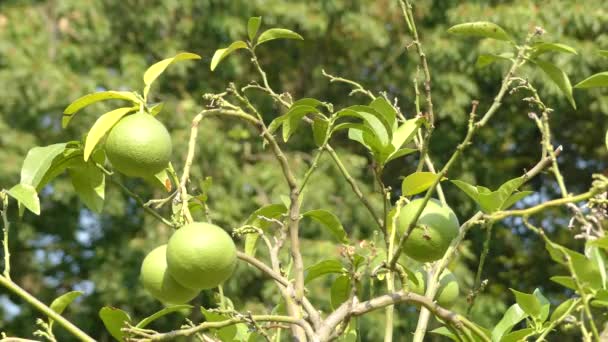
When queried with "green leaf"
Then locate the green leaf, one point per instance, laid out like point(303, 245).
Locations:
point(382, 106)
point(220, 54)
point(330, 221)
point(226, 333)
point(601, 242)
point(114, 319)
point(293, 118)
point(528, 302)
point(89, 99)
point(519, 335)
point(468, 189)
point(379, 129)
point(480, 29)
point(253, 25)
point(307, 101)
point(559, 78)
point(417, 182)
point(158, 68)
point(445, 332)
point(102, 126)
point(340, 291)
point(61, 303)
point(484, 60)
point(322, 268)
point(271, 211)
point(561, 309)
point(540, 48)
point(27, 196)
point(595, 255)
point(363, 135)
point(170, 309)
point(161, 179)
point(38, 161)
point(606, 139)
point(400, 153)
point(512, 316)
point(71, 156)
point(277, 33)
point(320, 130)
point(406, 132)
point(564, 281)
point(594, 81)
point(545, 305)
point(514, 198)
point(89, 183)
point(157, 108)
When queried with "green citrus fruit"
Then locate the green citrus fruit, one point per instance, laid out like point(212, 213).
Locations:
point(201, 255)
point(159, 283)
point(139, 145)
point(448, 290)
point(437, 226)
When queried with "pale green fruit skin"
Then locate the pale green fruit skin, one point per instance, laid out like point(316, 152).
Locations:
point(201, 255)
point(139, 145)
point(441, 228)
point(447, 293)
point(159, 283)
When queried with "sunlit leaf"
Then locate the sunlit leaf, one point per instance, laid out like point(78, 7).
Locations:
point(38, 161)
point(417, 182)
point(220, 54)
point(158, 68)
point(540, 48)
point(322, 268)
point(61, 303)
point(559, 77)
point(114, 320)
point(561, 309)
point(330, 221)
point(27, 196)
point(480, 29)
point(277, 33)
point(89, 183)
point(253, 25)
point(102, 126)
point(594, 81)
point(144, 322)
point(512, 316)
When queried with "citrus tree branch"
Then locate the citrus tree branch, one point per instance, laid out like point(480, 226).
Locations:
point(5, 230)
point(33, 301)
point(146, 336)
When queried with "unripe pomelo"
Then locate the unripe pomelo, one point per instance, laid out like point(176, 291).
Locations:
point(201, 255)
point(448, 290)
point(159, 283)
point(139, 145)
point(437, 226)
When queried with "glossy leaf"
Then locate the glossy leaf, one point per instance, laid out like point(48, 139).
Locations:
point(518, 336)
point(379, 129)
point(484, 60)
point(62, 302)
point(114, 320)
point(27, 196)
point(320, 130)
point(322, 268)
point(226, 333)
point(157, 108)
point(564, 281)
point(102, 126)
point(528, 302)
point(277, 33)
point(89, 99)
point(561, 309)
point(253, 25)
point(545, 305)
point(170, 309)
point(330, 221)
point(445, 332)
point(400, 153)
point(483, 29)
point(89, 183)
point(38, 161)
point(293, 118)
point(340, 291)
point(512, 316)
point(540, 48)
point(594, 81)
point(158, 68)
point(406, 132)
point(558, 77)
point(382, 106)
point(417, 182)
point(71, 156)
point(220, 54)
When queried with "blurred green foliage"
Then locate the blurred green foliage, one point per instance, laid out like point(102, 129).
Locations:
point(53, 51)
